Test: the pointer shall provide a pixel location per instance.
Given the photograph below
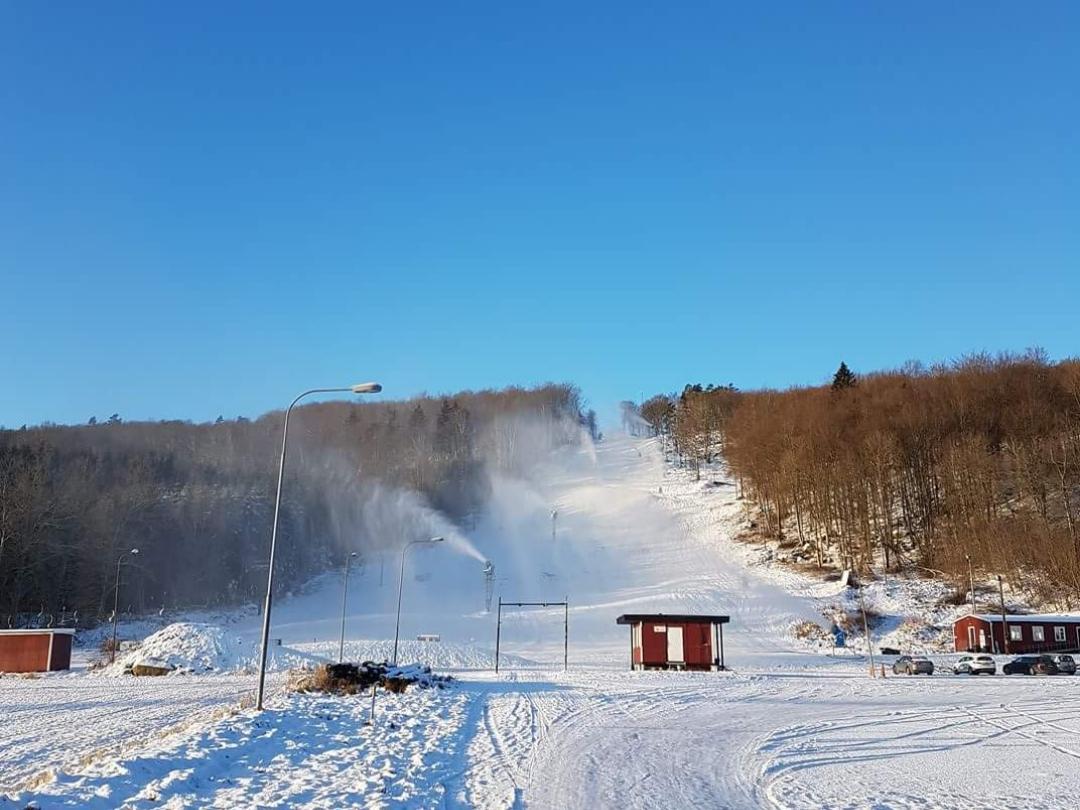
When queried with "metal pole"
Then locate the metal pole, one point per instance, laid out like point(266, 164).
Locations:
point(498, 632)
point(344, 602)
point(371, 714)
point(1004, 618)
point(554, 515)
point(273, 544)
point(866, 631)
point(971, 582)
point(115, 609)
point(566, 636)
point(721, 626)
point(401, 582)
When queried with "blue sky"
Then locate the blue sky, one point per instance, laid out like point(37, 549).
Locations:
point(204, 211)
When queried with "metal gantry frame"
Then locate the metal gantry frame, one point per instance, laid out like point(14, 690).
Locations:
point(565, 605)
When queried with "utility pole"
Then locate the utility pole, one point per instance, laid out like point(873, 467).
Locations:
point(1004, 618)
point(866, 630)
point(498, 634)
point(554, 515)
point(971, 582)
point(344, 602)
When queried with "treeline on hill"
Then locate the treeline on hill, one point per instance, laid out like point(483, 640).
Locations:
point(916, 467)
point(197, 499)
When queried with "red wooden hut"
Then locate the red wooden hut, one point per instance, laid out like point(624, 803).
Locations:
point(674, 641)
point(986, 632)
point(35, 650)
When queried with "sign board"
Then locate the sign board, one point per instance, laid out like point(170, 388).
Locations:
point(428, 637)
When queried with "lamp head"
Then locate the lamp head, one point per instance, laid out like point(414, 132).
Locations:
point(134, 551)
point(366, 388)
point(436, 539)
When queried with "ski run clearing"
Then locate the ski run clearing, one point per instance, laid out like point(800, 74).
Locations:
point(789, 726)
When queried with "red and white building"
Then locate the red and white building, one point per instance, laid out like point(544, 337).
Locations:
point(1013, 634)
point(675, 641)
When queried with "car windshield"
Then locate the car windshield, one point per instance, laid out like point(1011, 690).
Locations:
point(985, 659)
point(921, 660)
point(1066, 659)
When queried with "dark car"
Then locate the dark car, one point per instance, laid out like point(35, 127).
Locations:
point(1066, 664)
point(1031, 665)
point(913, 665)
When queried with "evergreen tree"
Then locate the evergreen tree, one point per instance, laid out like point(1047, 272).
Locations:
point(844, 378)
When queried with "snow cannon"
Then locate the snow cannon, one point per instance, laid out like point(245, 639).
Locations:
point(489, 584)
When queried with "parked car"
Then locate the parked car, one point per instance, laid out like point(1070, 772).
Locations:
point(1031, 665)
point(1066, 664)
point(974, 665)
point(913, 665)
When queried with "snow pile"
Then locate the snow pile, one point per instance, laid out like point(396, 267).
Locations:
point(182, 647)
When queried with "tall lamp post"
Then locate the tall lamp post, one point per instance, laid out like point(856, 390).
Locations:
point(116, 602)
point(360, 388)
point(344, 601)
point(401, 582)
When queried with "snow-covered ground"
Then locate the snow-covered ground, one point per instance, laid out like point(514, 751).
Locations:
point(790, 726)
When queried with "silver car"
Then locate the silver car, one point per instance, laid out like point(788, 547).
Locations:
point(1066, 664)
point(913, 665)
point(975, 665)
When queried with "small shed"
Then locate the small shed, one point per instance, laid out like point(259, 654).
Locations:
point(675, 641)
point(1014, 634)
point(36, 650)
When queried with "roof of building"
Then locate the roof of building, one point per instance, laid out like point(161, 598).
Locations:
point(38, 631)
point(1017, 618)
point(634, 618)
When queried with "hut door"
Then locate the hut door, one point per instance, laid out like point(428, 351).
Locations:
point(971, 637)
point(675, 645)
point(982, 639)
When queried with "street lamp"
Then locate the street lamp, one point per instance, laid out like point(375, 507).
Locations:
point(554, 516)
point(359, 388)
point(401, 581)
point(116, 602)
point(344, 599)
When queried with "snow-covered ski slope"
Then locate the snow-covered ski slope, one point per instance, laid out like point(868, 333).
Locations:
point(787, 728)
point(623, 542)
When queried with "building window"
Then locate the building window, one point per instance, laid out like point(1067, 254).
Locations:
point(1037, 633)
point(1059, 634)
point(1016, 632)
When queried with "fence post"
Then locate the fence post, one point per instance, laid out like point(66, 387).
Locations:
point(498, 632)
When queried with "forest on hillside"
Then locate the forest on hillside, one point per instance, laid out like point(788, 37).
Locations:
point(918, 469)
point(197, 499)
